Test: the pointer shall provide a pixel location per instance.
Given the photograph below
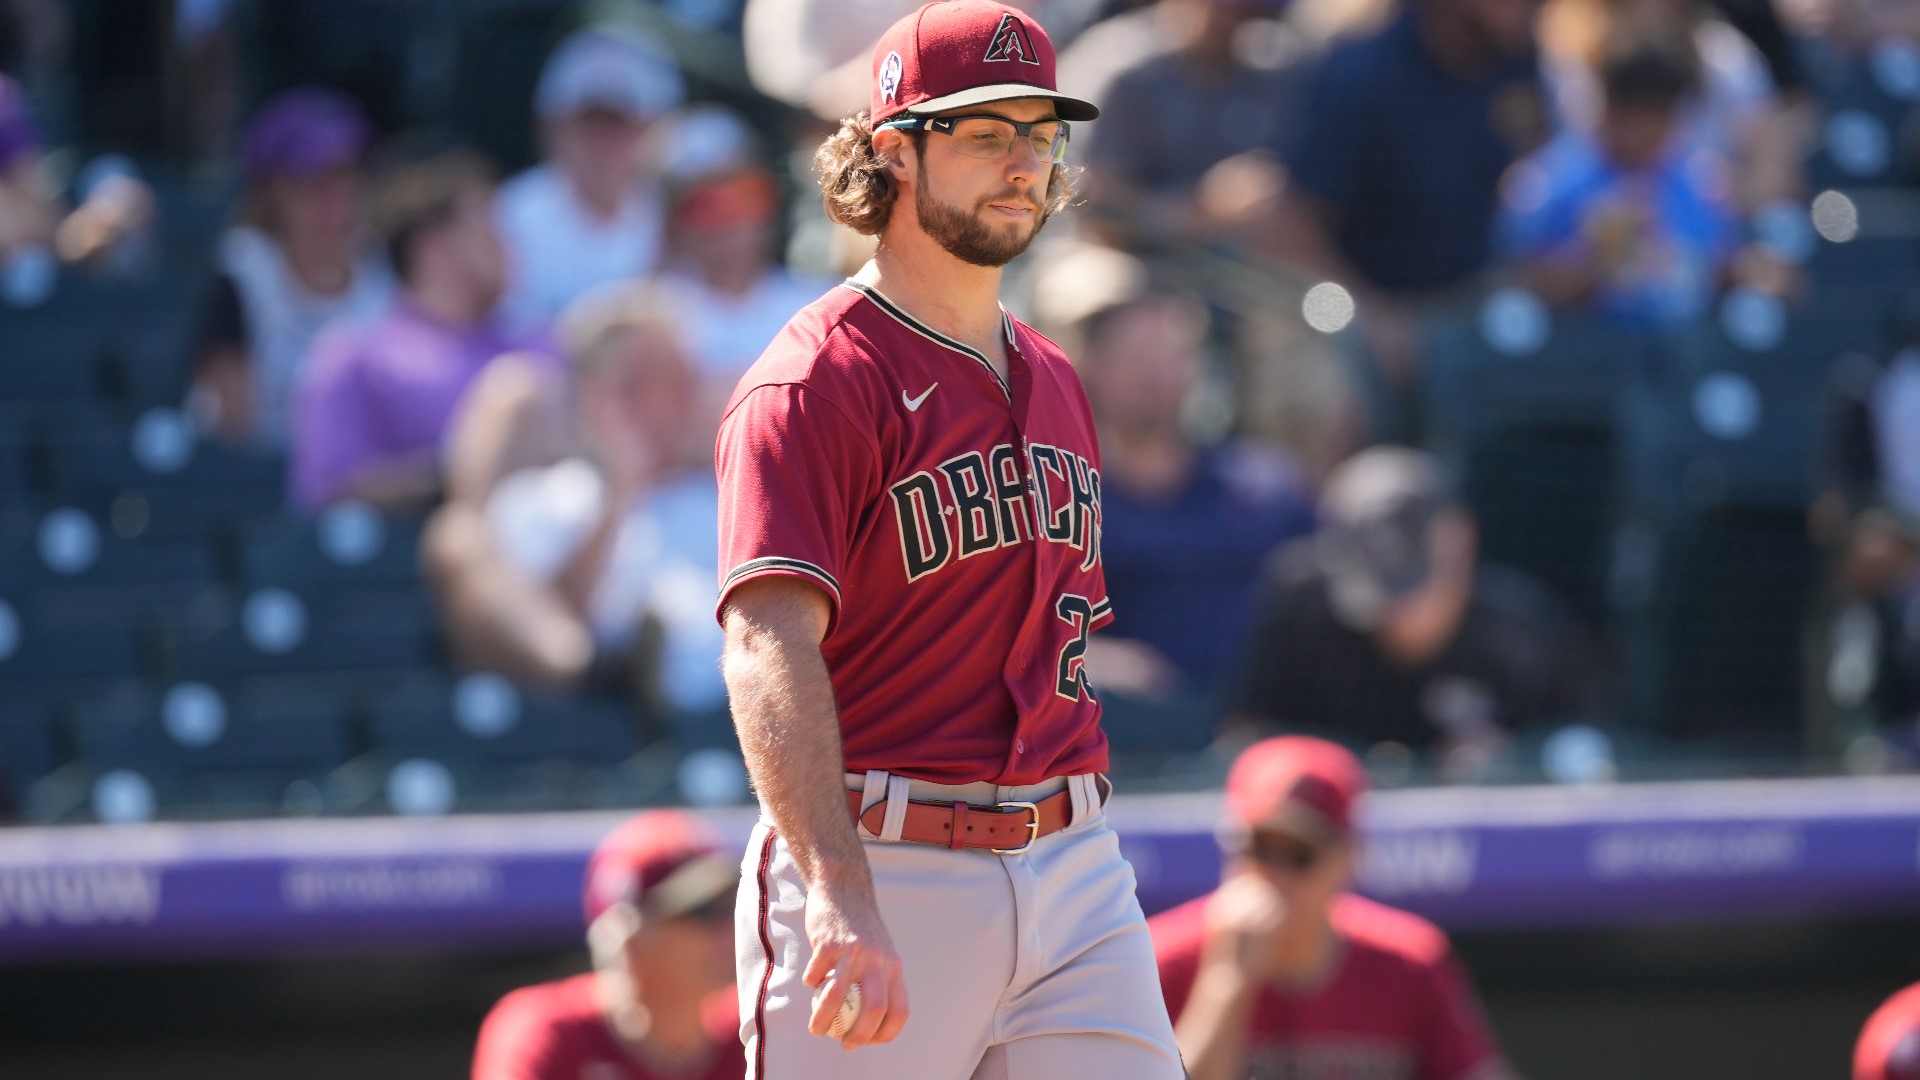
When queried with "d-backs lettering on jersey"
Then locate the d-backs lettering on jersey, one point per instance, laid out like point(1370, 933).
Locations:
point(978, 502)
point(952, 519)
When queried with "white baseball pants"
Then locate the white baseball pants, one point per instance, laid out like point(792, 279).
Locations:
point(1034, 966)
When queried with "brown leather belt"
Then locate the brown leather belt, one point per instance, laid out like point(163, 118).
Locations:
point(1008, 828)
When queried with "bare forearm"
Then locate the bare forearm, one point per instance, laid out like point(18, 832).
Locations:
point(1212, 1033)
point(789, 732)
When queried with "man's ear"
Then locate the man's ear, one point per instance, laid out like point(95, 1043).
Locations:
point(896, 149)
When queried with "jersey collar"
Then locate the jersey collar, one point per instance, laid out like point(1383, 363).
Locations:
point(906, 319)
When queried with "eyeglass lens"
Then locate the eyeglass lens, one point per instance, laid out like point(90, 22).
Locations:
point(986, 137)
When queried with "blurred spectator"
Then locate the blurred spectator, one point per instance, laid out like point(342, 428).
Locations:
point(1395, 180)
point(1190, 138)
point(376, 395)
point(1869, 513)
point(1283, 972)
point(1383, 627)
point(1612, 219)
point(299, 258)
point(593, 566)
point(1736, 115)
point(591, 212)
point(1889, 1044)
point(733, 297)
point(816, 55)
point(1185, 528)
point(658, 1004)
point(37, 232)
point(29, 207)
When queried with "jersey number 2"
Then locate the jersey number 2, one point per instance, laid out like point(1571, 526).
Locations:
point(1077, 612)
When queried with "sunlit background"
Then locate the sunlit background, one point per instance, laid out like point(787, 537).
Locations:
point(330, 642)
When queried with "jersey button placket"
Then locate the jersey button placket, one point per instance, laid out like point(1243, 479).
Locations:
point(1023, 659)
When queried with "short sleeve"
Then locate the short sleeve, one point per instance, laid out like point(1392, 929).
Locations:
point(1457, 1042)
point(795, 474)
point(516, 1042)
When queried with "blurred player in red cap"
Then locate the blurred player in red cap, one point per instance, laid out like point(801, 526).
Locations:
point(658, 1004)
point(1889, 1046)
point(1283, 972)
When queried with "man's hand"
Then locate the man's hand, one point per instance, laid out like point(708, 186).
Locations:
point(850, 945)
point(1243, 918)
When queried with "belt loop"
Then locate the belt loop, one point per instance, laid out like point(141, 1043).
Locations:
point(959, 825)
point(898, 794)
point(873, 791)
point(1083, 799)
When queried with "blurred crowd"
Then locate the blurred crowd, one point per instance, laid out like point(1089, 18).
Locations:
point(514, 308)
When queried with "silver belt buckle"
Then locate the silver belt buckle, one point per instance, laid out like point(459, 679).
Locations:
point(1033, 827)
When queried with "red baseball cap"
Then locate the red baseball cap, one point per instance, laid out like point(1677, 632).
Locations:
point(956, 53)
point(1299, 785)
point(1889, 1046)
point(663, 862)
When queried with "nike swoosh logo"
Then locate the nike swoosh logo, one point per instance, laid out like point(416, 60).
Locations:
point(913, 403)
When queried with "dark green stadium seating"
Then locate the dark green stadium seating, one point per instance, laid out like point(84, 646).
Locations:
point(1533, 439)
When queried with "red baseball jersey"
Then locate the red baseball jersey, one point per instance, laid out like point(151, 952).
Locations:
point(1397, 1006)
point(953, 520)
point(555, 1031)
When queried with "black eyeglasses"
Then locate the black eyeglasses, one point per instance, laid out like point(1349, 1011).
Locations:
point(990, 137)
point(718, 909)
point(1280, 851)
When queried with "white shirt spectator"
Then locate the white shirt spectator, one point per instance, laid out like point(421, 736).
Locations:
point(726, 334)
point(283, 317)
point(559, 251)
point(663, 562)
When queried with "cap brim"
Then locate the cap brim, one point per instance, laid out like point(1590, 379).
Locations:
point(1068, 107)
point(691, 886)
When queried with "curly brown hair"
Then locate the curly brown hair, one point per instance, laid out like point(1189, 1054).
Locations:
point(858, 191)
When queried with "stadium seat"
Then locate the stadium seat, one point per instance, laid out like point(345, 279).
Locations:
point(1728, 422)
point(207, 751)
point(268, 630)
point(15, 491)
point(1532, 434)
point(1716, 654)
point(66, 573)
point(43, 360)
point(344, 545)
point(503, 746)
point(175, 474)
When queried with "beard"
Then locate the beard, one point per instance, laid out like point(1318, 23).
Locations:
point(964, 235)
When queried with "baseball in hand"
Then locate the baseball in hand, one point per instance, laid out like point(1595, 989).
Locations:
point(849, 1012)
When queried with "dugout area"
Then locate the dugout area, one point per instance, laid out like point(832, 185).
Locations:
point(1764, 999)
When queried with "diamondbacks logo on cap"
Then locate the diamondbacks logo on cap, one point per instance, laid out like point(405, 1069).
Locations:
point(1010, 42)
point(890, 76)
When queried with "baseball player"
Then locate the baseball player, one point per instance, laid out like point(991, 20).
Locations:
point(910, 569)
point(1889, 1044)
point(1283, 973)
point(658, 1004)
